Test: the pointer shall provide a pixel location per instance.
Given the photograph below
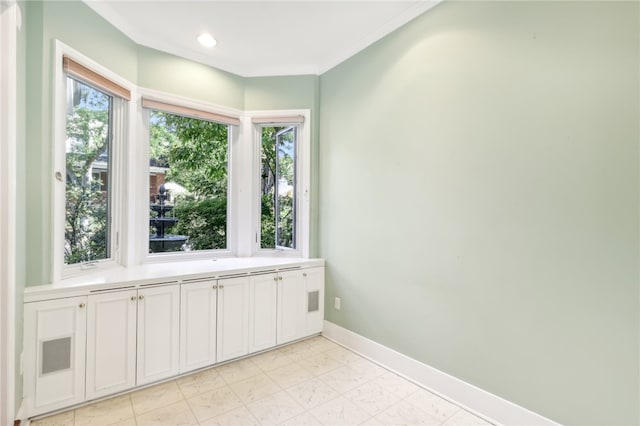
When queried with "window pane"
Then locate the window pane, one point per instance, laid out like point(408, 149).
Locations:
point(278, 187)
point(87, 197)
point(187, 184)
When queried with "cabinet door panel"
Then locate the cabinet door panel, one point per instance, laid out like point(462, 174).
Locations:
point(158, 333)
point(314, 279)
point(291, 306)
point(197, 325)
point(55, 353)
point(233, 318)
point(263, 295)
point(111, 343)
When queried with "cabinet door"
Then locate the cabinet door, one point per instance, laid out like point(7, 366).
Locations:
point(111, 343)
point(233, 318)
point(55, 343)
point(314, 306)
point(291, 306)
point(263, 299)
point(158, 333)
point(198, 325)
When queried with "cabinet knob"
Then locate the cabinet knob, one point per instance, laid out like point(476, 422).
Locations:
point(81, 305)
point(215, 287)
point(304, 274)
point(275, 278)
point(280, 278)
point(133, 298)
point(221, 286)
point(141, 297)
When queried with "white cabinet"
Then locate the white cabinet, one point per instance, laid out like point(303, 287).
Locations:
point(300, 303)
point(233, 318)
point(158, 333)
point(55, 332)
point(263, 297)
point(314, 300)
point(291, 306)
point(111, 342)
point(198, 307)
point(107, 341)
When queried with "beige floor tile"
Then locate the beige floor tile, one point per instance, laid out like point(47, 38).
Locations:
point(154, 397)
point(105, 412)
point(367, 368)
point(344, 379)
point(201, 382)
point(62, 419)
point(304, 419)
point(214, 403)
point(396, 384)
point(254, 388)
point(343, 355)
point(275, 409)
point(404, 413)
point(464, 418)
point(372, 398)
point(290, 375)
point(432, 404)
point(322, 344)
point(298, 351)
point(238, 370)
point(239, 417)
point(126, 422)
point(320, 364)
point(372, 422)
point(177, 414)
point(271, 360)
point(311, 393)
point(339, 411)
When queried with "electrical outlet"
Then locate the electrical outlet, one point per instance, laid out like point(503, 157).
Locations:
point(336, 303)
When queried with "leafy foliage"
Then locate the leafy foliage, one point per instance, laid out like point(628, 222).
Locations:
point(204, 221)
point(194, 150)
point(86, 206)
point(277, 172)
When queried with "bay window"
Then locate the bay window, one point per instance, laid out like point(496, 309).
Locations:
point(147, 176)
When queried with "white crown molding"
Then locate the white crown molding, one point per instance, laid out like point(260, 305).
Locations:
point(473, 399)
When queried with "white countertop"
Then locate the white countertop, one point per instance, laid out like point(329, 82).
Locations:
point(159, 273)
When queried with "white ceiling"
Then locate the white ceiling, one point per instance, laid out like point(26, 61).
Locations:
point(261, 38)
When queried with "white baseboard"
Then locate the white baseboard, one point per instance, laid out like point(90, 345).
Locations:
point(480, 402)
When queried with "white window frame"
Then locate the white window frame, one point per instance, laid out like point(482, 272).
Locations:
point(303, 181)
point(9, 25)
point(130, 178)
point(121, 128)
point(142, 206)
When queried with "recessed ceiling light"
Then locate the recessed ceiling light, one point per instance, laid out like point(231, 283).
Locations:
point(207, 40)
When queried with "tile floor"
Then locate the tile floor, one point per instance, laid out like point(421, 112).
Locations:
point(313, 382)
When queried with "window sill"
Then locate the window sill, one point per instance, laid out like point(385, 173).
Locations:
point(163, 273)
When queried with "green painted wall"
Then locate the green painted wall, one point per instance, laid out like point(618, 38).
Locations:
point(76, 25)
point(479, 200)
point(168, 73)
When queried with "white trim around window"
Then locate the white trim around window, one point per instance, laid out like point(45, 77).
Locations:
point(130, 185)
point(142, 183)
point(9, 22)
point(254, 121)
point(122, 134)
